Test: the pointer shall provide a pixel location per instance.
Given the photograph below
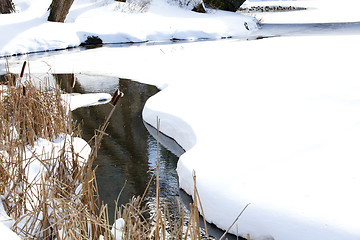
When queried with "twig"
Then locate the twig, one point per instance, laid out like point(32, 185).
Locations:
point(197, 196)
point(234, 221)
point(157, 170)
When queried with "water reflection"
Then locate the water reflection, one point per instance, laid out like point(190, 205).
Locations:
point(129, 150)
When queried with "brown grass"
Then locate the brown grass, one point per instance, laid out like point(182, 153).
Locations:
point(61, 200)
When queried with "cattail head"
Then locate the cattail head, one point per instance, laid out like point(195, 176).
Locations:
point(73, 80)
point(116, 96)
point(23, 69)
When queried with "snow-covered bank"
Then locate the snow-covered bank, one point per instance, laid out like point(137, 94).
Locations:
point(282, 136)
point(28, 31)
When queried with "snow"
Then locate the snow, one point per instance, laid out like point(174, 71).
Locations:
point(287, 144)
point(318, 11)
point(76, 101)
point(6, 223)
point(28, 30)
point(272, 122)
point(118, 229)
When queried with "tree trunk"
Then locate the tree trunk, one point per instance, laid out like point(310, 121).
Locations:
point(199, 8)
point(59, 9)
point(227, 5)
point(6, 6)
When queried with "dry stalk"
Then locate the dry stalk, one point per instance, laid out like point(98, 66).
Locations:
point(237, 218)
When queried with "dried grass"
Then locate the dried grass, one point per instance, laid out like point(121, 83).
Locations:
point(60, 201)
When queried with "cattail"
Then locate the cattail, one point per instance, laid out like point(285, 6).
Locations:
point(23, 69)
point(73, 80)
point(116, 96)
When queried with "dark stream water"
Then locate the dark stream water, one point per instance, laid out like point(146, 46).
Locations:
point(130, 149)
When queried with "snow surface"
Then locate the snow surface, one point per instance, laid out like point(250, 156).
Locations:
point(6, 223)
point(28, 30)
point(272, 122)
point(318, 11)
point(76, 101)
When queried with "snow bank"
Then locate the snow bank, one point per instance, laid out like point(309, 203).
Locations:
point(76, 101)
point(28, 31)
point(282, 136)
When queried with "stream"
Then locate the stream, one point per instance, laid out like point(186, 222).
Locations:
point(129, 150)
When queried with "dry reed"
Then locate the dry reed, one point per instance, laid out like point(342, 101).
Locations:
point(59, 200)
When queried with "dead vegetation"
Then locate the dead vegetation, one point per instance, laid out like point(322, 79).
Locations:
point(47, 183)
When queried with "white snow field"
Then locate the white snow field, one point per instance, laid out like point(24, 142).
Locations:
point(271, 122)
point(28, 30)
